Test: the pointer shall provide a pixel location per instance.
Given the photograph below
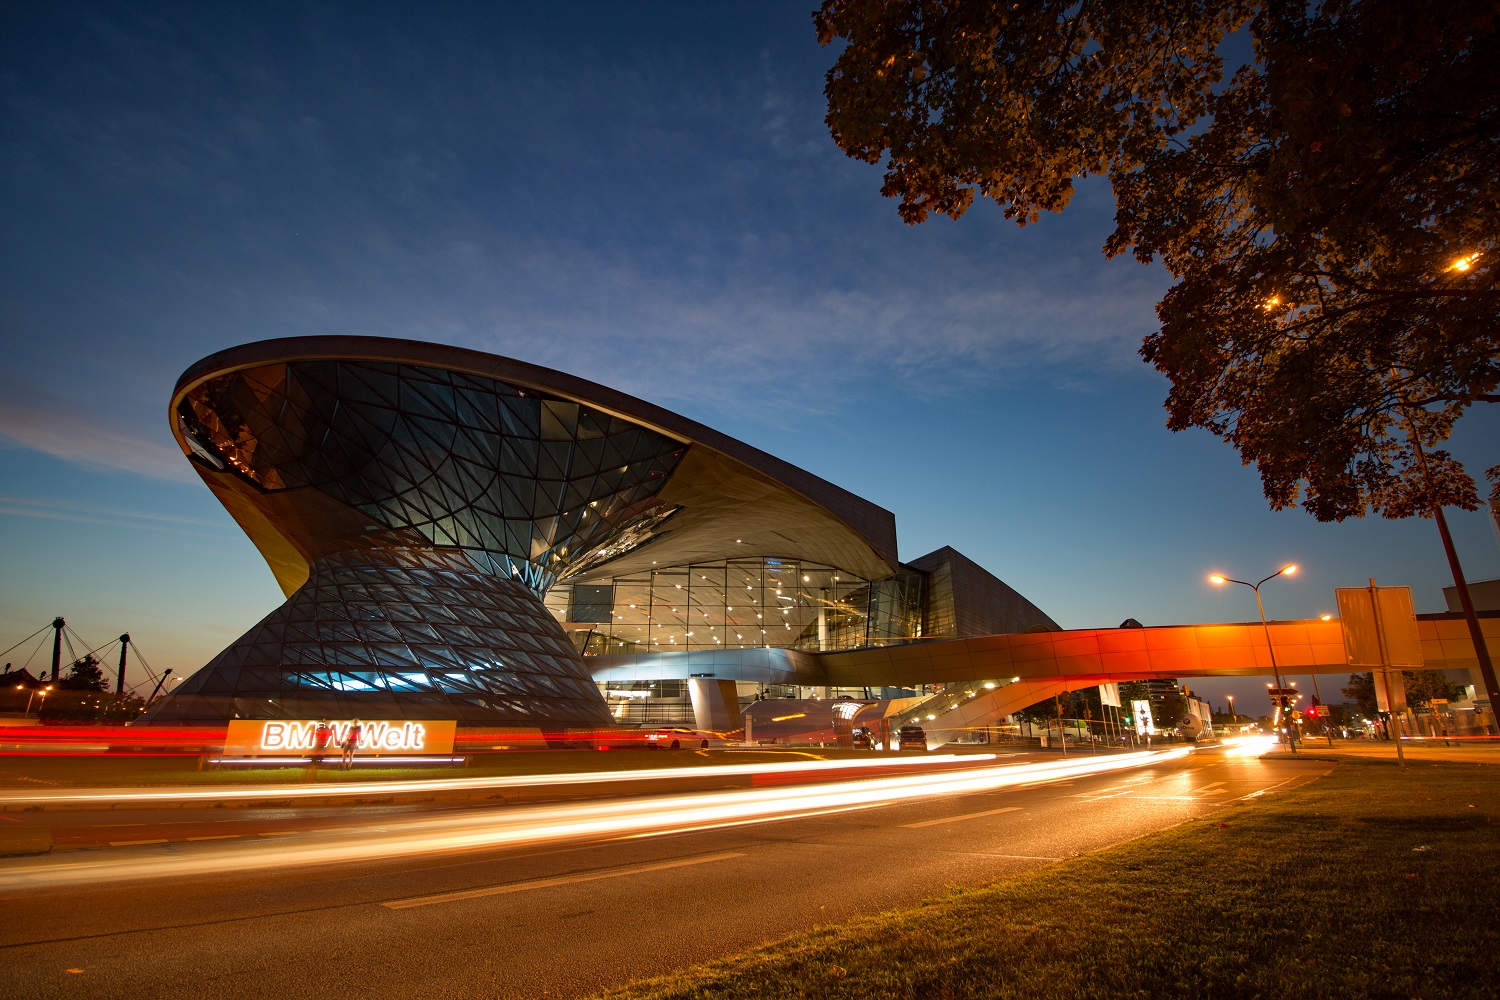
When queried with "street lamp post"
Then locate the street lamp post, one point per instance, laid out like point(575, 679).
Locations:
point(1286, 570)
point(33, 695)
point(1231, 712)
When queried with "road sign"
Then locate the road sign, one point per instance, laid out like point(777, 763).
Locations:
point(1380, 627)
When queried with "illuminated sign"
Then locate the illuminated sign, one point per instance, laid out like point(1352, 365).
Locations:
point(299, 738)
point(1144, 724)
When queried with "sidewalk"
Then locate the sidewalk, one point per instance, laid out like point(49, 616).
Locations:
point(1460, 751)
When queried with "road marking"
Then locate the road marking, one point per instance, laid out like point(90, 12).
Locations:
point(545, 883)
point(1212, 788)
point(955, 819)
point(221, 836)
point(1303, 779)
point(135, 843)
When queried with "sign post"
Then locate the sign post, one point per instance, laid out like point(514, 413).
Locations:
point(1380, 633)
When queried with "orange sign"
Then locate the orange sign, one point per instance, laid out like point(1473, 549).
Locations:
point(298, 738)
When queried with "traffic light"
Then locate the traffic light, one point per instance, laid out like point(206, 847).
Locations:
point(1311, 711)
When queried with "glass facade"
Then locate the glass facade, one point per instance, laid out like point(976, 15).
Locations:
point(528, 486)
point(742, 603)
point(397, 634)
point(433, 509)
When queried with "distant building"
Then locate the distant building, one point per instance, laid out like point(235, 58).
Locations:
point(1484, 593)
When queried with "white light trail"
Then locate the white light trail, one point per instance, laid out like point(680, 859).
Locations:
point(503, 827)
point(241, 793)
point(1249, 746)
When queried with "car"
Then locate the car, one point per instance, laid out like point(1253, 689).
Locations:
point(865, 738)
point(675, 738)
point(912, 738)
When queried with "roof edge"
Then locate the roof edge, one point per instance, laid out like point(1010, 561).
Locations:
point(873, 523)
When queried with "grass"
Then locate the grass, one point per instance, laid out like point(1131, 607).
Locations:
point(1373, 882)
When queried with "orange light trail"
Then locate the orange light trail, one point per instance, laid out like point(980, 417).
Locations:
point(125, 797)
point(490, 829)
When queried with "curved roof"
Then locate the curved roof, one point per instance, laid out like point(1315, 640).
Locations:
point(730, 498)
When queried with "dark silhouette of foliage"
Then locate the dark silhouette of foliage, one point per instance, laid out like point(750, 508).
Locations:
point(1330, 212)
point(85, 675)
point(1422, 686)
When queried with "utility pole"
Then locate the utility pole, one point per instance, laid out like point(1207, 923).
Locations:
point(124, 647)
point(57, 627)
point(1476, 634)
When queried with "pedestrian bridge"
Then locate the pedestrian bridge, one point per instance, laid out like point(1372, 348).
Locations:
point(1082, 656)
point(994, 675)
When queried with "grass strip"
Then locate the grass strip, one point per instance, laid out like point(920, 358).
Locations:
point(1372, 882)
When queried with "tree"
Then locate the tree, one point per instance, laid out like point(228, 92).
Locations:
point(1044, 712)
point(1422, 686)
point(1172, 709)
point(1361, 691)
point(1329, 213)
point(85, 675)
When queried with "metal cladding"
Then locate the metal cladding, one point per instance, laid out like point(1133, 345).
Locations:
point(416, 503)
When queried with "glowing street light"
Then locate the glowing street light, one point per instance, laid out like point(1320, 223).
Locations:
point(1288, 570)
point(34, 692)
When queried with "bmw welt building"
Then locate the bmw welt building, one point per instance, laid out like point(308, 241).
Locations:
point(467, 537)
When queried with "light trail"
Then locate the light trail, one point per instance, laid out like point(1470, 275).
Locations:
point(1249, 746)
point(514, 827)
point(243, 793)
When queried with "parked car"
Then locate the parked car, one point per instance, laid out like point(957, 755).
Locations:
point(865, 738)
point(912, 738)
point(675, 738)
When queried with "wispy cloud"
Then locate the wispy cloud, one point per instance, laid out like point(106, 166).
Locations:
point(50, 509)
point(84, 439)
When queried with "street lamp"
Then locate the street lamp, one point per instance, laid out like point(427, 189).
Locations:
point(33, 695)
point(1231, 712)
point(1288, 570)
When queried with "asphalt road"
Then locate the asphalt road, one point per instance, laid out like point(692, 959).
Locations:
point(567, 921)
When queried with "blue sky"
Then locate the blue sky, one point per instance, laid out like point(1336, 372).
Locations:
point(642, 194)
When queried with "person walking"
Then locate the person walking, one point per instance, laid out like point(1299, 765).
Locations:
point(322, 737)
point(351, 743)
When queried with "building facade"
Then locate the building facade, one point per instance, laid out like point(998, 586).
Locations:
point(459, 535)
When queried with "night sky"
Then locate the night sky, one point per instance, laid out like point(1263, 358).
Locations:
point(641, 194)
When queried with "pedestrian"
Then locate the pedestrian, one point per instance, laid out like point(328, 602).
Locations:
point(322, 737)
point(351, 743)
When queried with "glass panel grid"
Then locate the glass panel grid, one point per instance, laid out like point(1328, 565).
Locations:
point(749, 603)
